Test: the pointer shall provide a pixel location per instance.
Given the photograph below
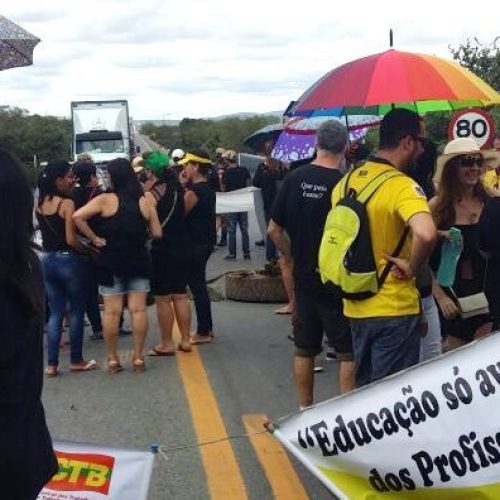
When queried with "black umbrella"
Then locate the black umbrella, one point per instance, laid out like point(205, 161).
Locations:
point(257, 140)
point(16, 45)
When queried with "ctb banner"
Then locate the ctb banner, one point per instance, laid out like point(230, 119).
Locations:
point(89, 472)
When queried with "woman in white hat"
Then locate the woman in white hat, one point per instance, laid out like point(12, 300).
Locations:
point(459, 202)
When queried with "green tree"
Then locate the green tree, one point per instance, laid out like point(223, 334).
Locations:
point(482, 59)
point(191, 133)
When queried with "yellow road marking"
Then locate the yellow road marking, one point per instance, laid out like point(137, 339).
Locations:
point(274, 460)
point(221, 468)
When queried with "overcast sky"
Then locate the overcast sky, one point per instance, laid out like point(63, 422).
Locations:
point(202, 58)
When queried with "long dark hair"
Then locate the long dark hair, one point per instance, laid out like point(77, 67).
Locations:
point(448, 193)
point(18, 261)
point(47, 187)
point(173, 186)
point(123, 178)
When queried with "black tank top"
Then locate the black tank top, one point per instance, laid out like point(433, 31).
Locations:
point(200, 221)
point(53, 228)
point(126, 233)
point(170, 205)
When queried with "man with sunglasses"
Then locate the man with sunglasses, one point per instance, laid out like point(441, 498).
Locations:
point(386, 328)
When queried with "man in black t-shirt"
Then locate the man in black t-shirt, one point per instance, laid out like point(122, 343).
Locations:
point(300, 209)
point(233, 178)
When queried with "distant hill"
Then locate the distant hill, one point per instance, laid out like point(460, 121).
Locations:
point(241, 116)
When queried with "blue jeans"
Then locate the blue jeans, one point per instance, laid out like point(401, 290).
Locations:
point(197, 282)
point(241, 219)
point(63, 276)
point(383, 346)
point(431, 344)
point(92, 294)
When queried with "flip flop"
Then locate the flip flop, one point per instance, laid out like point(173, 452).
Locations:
point(157, 352)
point(184, 349)
point(201, 339)
point(51, 371)
point(282, 311)
point(87, 367)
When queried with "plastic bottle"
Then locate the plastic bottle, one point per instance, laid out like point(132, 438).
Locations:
point(450, 253)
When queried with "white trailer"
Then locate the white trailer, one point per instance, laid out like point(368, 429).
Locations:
point(101, 129)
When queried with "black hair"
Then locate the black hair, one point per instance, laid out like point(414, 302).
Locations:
point(18, 263)
point(423, 171)
point(203, 168)
point(396, 125)
point(47, 187)
point(123, 178)
point(84, 171)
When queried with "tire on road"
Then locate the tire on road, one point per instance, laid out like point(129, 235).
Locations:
point(252, 286)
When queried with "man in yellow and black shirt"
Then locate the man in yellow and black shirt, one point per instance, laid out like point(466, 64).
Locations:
point(386, 328)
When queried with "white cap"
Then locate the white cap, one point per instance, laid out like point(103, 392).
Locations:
point(178, 153)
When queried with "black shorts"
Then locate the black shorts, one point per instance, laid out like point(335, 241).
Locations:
point(169, 274)
point(317, 314)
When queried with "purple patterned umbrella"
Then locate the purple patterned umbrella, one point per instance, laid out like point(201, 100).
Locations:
point(298, 139)
point(16, 45)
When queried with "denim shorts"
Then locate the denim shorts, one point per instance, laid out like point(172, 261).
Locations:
point(122, 285)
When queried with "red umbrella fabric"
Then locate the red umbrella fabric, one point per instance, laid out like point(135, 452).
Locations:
point(377, 82)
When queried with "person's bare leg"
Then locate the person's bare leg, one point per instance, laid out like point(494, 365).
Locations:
point(347, 380)
point(454, 342)
point(287, 272)
point(165, 315)
point(139, 320)
point(303, 369)
point(112, 310)
point(182, 310)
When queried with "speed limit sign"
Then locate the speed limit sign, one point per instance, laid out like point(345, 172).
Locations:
point(474, 123)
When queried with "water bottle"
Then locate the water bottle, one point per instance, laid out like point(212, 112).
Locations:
point(450, 253)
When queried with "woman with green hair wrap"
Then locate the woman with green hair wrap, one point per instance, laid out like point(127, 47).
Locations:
point(169, 279)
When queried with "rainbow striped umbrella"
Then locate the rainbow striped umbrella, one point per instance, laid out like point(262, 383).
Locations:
point(375, 84)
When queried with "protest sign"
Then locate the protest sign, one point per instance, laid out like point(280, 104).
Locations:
point(243, 200)
point(429, 432)
point(90, 472)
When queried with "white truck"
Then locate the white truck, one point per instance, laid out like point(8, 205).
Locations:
point(102, 129)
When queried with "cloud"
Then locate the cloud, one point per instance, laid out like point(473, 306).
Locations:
point(198, 58)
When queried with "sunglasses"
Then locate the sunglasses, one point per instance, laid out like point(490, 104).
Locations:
point(470, 161)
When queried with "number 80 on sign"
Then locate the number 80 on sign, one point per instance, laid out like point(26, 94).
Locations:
point(474, 123)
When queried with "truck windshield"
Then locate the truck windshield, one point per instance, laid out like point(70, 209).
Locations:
point(102, 146)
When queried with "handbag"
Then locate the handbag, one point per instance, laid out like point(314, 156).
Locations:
point(475, 304)
point(472, 305)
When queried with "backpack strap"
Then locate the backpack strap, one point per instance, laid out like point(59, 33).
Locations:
point(396, 252)
point(369, 190)
point(364, 197)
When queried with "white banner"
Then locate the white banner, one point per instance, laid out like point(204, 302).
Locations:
point(431, 432)
point(91, 472)
point(243, 200)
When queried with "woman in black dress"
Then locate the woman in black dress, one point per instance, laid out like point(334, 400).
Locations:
point(168, 255)
point(26, 455)
point(199, 206)
point(459, 202)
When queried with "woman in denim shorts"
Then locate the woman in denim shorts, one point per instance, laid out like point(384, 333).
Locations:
point(127, 215)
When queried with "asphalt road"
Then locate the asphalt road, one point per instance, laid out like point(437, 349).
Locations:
point(197, 397)
point(144, 143)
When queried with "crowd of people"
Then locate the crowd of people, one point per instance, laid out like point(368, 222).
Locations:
point(427, 228)
point(423, 216)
